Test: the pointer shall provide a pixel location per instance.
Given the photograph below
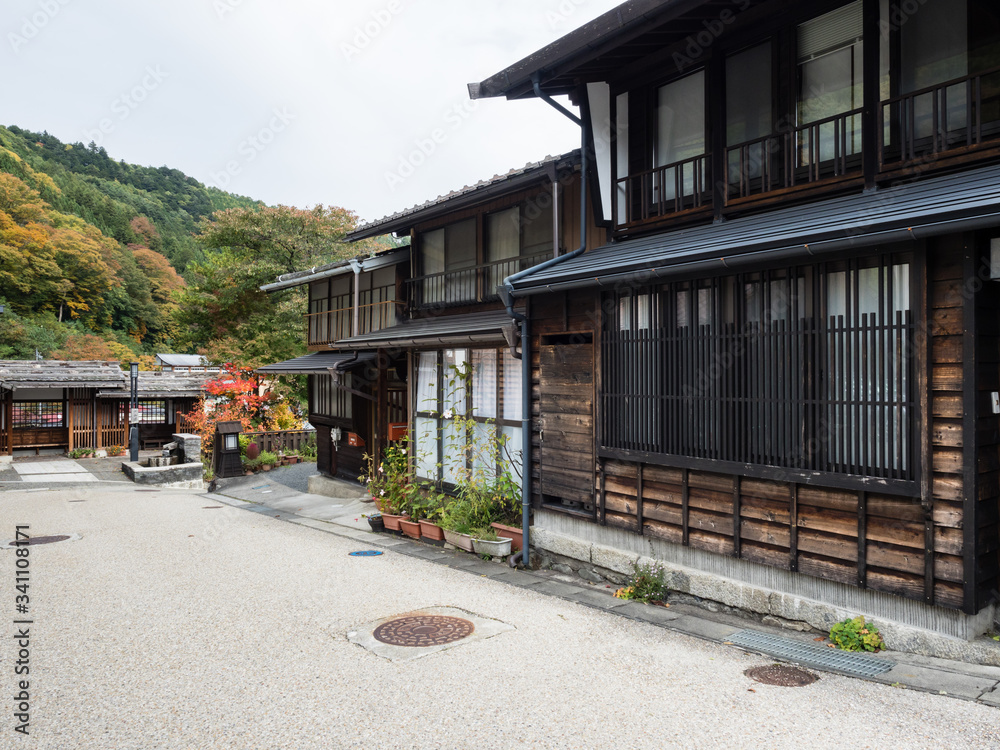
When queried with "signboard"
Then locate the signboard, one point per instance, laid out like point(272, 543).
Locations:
point(133, 415)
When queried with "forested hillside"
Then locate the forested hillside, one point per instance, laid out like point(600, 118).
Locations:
point(100, 259)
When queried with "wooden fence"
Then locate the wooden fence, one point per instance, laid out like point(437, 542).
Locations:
point(288, 441)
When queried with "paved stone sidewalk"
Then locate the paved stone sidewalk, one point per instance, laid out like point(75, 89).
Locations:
point(342, 517)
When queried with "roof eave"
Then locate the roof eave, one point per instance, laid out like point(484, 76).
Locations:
point(578, 47)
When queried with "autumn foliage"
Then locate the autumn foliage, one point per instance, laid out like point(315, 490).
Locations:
point(235, 396)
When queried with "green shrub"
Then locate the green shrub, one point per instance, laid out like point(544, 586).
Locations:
point(81, 452)
point(646, 584)
point(856, 635)
point(267, 457)
point(308, 449)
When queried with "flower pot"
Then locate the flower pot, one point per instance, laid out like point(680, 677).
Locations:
point(429, 530)
point(410, 528)
point(392, 521)
point(509, 532)
point(462, 541)
point(380, 504)
point(377, 523)
point(266, 467)
point(501, 547)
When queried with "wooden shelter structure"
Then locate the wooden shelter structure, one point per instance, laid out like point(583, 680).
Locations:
point(68, 405)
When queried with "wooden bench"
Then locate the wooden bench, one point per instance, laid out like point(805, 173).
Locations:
point(156, 442)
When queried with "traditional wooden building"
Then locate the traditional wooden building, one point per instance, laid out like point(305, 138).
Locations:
point(67, 405)
point(463, 245)
point(354, 396)
point(779, 367)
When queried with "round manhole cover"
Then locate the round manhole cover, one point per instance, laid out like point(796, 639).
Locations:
point(421, 631)
point(42, 540)
point(781, 674)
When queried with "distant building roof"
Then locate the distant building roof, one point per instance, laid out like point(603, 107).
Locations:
point(49, 373)
point(320, 363)
point(298, 278)
point(469, 195)
point(164, 385)
point(182, 360)
point(438, 330)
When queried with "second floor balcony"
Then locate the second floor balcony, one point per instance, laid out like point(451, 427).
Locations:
point(330, 326)
point(468, 285)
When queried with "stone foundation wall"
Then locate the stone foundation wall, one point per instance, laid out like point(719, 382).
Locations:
point(598, 554)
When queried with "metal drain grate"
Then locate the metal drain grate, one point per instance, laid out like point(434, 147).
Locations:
point(811, 654)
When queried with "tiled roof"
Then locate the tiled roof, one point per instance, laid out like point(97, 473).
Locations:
point(470, 193)
point(18, 374)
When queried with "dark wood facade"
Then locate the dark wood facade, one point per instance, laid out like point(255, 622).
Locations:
point(938, 544)
point(707, 115)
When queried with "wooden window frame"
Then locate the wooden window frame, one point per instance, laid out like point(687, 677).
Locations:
point(760, 422)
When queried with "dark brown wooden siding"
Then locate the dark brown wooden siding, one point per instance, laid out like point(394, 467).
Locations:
point(563, 383)
point(859, 538)
point(566, 387)
point(986, 341)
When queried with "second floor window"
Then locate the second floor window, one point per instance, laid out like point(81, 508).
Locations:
point(517, 238)
point(448, 264)
point(330, 309)
point(680, 141)
point(830, 66)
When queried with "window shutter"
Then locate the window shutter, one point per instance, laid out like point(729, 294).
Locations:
point(832, 31)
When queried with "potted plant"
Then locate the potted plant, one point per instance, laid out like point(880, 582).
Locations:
point(410, 527)
point(509, 532)
point(375, 521)
point(267, 460)
point(486, 543)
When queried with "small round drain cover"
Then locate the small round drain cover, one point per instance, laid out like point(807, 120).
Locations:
point(781, 674)
point(365, 553)
point(42, 540)
point(421, 631)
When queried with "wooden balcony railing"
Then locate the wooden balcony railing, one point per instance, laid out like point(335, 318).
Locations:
point(333, 325)
point(472, 284)
point(670, 189)
point(808, 153)
point(962, 113)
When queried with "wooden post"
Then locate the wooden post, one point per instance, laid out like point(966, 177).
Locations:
point(737, 541)
point(685, 509)
point(9, 406)
point(638, 504)
point(70, 408)
point(970, 441)
point(862, 539)
point(793, 532)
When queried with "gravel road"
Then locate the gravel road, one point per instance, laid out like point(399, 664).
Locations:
point(173, 625)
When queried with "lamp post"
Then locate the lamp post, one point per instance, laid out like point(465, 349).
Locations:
point(133, 417)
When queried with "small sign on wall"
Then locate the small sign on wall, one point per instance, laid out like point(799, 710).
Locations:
point(355, 440)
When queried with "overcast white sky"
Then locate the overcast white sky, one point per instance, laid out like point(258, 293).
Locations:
point(291, 102)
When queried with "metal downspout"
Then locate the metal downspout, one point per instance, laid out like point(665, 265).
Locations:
point(507, 293)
